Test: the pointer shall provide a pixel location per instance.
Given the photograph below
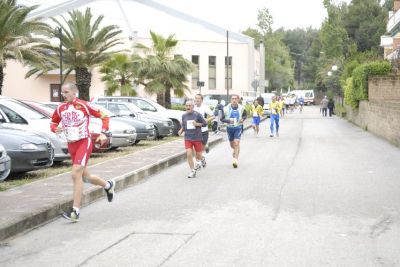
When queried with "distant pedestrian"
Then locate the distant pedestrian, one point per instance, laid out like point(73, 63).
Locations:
point(282, 106)
point(208, 115)
point(324, 106)
point(257, 112)
point(274, 106)
point(331, 106)
point(234, 115)
point(72, 118)
point(301, 103)
point(192, 122)
point(218, 113)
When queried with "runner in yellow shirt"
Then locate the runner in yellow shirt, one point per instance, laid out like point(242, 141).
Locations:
point(275, 108)
point(257, 111)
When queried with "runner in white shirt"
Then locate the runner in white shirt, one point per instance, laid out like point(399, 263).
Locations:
point(208, 115)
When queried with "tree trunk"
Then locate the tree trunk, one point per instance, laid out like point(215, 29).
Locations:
point(1, 79)
point(161, 99)
point(83, 81)
point(167, 98)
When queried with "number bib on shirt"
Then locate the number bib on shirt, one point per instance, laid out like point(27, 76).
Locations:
point(74, 133)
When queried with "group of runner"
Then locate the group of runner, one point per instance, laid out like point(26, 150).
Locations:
point(72, 118)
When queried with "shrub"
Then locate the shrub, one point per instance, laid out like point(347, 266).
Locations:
point(359, 87)
point(178, 107)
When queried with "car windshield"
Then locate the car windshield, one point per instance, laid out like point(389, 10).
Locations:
point(23, 110)
point(134, 108)
point(267, 100)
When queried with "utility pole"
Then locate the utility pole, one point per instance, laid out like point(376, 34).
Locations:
point(227, 66)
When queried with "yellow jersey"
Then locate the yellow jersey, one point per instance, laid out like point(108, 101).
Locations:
point(257, 111)
point(275, 107)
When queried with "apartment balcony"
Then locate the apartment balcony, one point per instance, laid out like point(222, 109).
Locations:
point(393, 25)
point(386, 41)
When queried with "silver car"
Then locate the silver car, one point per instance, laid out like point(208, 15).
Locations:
point(17, 115)
point(5, 163)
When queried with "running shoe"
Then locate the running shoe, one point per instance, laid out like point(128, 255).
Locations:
point(110, 191)
point(198, 166)
point(203, 162)
point(192, 174)
point(71, 215)
point(235, 163)
point(271, 135)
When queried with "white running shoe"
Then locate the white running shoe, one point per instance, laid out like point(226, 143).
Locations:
point(235, 163)
point(198, 166)
point(192, 174)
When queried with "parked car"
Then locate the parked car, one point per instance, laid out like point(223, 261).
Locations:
point(48, 112)
point(28, 151)
point(148, 106)
point(5, 163)
point(17, 115)
point(163, 126)
point(122, 133)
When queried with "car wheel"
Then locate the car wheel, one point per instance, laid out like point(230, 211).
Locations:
point(137, 142)
point(177, 127)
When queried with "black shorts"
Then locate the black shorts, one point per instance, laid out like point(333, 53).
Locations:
point(204, 137)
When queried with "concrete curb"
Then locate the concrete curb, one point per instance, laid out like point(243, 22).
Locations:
point(53, 210)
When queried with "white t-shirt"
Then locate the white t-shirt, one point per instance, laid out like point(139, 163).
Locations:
point(204, 110)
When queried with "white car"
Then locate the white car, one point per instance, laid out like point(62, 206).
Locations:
point(17, 115)
point(5, 163)
point(148, 106)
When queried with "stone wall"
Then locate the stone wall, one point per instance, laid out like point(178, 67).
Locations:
point(381, 114)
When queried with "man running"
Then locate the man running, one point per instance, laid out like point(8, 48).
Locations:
point(72, 118)
point(274, 106)
point(257, 111)
point(208, 115)
point(234, 115)
point(192, 122)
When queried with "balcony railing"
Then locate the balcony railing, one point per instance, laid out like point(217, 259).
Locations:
point(393, 22)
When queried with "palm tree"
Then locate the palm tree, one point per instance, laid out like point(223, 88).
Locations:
point(17, 40)
point(160, 71)
point(119, 75)
point(85, 45)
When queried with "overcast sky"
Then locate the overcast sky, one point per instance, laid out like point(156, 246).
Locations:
point(240, 14)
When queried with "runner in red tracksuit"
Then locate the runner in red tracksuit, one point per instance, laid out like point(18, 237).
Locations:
point(72, 118)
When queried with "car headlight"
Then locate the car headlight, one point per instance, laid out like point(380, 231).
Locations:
point(149, 126)
point(129, 131)
point(29, 147)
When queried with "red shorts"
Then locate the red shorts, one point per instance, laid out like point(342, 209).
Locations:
point(80, 151)
point(197, 145)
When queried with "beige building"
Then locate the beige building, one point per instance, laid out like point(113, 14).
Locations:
point(204, 44)
point(391, 40)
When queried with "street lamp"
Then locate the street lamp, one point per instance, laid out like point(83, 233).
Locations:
point(59, 35)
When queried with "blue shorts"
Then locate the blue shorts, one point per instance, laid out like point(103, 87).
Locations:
point(234, 133)
point(256, 120)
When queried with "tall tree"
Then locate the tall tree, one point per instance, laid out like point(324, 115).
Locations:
point(85, 46)
point(118, 73)
point(17, 35)
point(159, 71)
point(365, 30)
point(278, 64)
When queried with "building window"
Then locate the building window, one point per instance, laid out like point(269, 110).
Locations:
point(212, 72)
point(228, 66)
point(195, 73)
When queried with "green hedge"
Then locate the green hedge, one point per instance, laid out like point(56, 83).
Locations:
point(359, 82)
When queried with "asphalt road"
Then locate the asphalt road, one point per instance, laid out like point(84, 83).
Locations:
point(325, 193)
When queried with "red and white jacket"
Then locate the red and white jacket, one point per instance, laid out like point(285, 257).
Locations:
point(74, 118)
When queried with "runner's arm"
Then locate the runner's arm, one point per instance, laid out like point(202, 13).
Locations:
point(98, 113)
point(55, 120)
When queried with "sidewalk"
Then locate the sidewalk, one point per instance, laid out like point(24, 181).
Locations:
point(28, 206)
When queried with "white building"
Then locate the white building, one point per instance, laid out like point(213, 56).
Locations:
point(201, 42)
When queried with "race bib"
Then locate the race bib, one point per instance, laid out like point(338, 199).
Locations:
point(74, 133)
point(189, 125)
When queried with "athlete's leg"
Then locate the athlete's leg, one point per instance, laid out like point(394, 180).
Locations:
point(94, 179)
point(77, 171)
